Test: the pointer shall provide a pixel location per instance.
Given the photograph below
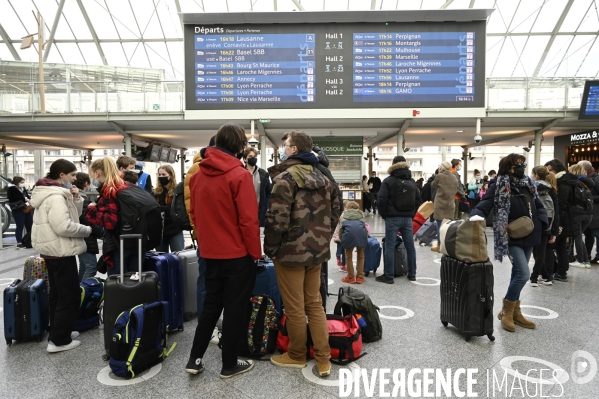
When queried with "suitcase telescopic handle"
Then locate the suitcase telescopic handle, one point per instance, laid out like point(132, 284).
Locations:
point(124, 237)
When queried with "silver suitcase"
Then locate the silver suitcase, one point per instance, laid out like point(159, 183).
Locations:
point(189, 266)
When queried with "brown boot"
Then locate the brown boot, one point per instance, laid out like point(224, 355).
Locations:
point(436, 249)
point(507, 315)
point(519, 318)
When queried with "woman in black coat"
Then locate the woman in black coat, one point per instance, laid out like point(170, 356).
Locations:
point(88, 261)
point(513, 195)
point(18, 199)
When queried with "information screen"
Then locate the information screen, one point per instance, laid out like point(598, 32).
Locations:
point(434, 65)
point(589, 108)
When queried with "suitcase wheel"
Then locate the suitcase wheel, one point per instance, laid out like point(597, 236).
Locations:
point(9, 342)
point(182, 328)
point(105, 358)
point(468, 338)
point(444, 323)
point(491, 337)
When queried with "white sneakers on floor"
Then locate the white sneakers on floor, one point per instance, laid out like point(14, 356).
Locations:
point(55, 348)
point(578, 264)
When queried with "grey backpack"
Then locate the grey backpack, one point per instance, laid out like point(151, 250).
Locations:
point(549, 206)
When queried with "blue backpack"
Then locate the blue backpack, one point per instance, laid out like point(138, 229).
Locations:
point(92, 295)
point(139, 339)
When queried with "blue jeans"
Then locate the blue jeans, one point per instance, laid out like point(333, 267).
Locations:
point(22, 220)
point(176, 243)
point(520, 271)
point(201, 291)
point(131, 260)
point(438, 223)
point(392, 226)
point(88, 265)
point(341, 253)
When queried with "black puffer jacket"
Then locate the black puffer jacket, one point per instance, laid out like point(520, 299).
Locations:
point(565, 183)
point(386, 201)
point(595, 191)
point(170, 227)
point(97, 231)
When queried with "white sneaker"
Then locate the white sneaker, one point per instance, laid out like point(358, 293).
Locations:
point(534, 284)
point(74, 334)
point(216, 334)
point(578, 264)
point(55, 348)
point(547, 282)
point(587, 265)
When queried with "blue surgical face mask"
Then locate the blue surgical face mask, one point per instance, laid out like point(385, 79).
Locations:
point(282, 154)
point(66, 185)
point(459, 168)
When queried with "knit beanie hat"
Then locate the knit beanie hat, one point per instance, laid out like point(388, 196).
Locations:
point(445, 166)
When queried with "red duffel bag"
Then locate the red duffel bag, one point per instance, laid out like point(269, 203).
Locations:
point(417, 222)
point(345, 338)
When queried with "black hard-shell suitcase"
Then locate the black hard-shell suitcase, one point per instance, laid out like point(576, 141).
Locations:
point(122, 293)
point(467, 297)
point(191, 271)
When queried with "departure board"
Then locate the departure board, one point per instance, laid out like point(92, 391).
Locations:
point(589, 107)
point(341, 65)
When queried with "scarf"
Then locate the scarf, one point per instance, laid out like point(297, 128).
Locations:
point(503, 190)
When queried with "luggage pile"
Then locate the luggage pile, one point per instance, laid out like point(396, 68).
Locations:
point(423, 226)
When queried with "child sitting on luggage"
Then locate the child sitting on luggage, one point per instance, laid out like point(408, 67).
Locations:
point(353, 234)
point(340, 252)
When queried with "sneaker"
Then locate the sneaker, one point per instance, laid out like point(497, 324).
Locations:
point(587, 265)
point(559, 278)
point(324, 369)
point(348, 280)
point(74, 334)
point(412, 278)
point(216, 334)
point(595, 262)
point(534, 284)
point(339, 261)
point(343, 269)
point(194, 366)
point(384, 279)
point(61, 348)
point(359, 280)
point(285, 361)
point(578, 264)
point(546, 282)
point(243, 366)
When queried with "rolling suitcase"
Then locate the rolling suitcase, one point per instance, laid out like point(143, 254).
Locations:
point(170, 274)
point(428, 235)
point(190, 269)
point(467, 297)
point(372, 256)
point(26, 311)
point(266, 284)
point(122, 293)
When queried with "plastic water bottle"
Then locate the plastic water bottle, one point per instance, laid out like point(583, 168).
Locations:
point(361, 321)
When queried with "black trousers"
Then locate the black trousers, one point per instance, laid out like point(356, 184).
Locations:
point(563, 255)
point(539, 252)
point(549, 262)
point(65, 297)
point(229, 285)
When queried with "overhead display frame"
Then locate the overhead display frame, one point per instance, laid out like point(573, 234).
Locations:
point(589, 106)
point(344, 65)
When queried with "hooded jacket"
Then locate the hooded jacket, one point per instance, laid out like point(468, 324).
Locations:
point(303, 213)
point(56, 231)
point(400, 170)
point(353, 233)
point(445, 186)
point(224, 202)
point(197, 158)
point(542, 188)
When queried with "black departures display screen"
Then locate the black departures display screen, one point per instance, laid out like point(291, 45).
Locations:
point(589, 107)
point(336, 65)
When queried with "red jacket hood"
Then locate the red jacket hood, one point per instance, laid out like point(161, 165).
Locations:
point(217, 162)
point(47, 182)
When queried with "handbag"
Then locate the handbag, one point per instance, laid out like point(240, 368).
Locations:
point(28, 209)
point(17, 205)
point(522, 226)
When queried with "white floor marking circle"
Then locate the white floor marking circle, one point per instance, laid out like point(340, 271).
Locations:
point(437, 261)
point(436, 281)
point(550, 313)
point(105, 378)
point(310, 376)
point(8, 281)
point(409, 313)
point(560, 374)
point(331, 281)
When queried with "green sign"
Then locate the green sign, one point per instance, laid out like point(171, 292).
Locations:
point(340, 145)
point(156, 107)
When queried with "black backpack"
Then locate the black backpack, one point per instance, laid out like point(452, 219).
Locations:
point(353, 301)
point(179, 213)
point(405, 195)
point(140, 213)
point(583, 199)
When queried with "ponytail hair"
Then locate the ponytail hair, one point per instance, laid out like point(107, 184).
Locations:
point(112, 177)
point(544, 174)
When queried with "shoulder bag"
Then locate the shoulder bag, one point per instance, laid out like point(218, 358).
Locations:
point(522, 226)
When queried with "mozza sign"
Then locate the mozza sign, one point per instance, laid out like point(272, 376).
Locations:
point(583, 138)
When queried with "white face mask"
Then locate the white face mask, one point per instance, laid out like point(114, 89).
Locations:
point(21, 185)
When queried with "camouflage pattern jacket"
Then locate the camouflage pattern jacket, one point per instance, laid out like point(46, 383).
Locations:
point(302, 215)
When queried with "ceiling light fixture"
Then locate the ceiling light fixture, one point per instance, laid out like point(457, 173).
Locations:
point(459, 131)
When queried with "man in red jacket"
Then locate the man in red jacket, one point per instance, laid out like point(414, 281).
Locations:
point(223, 202)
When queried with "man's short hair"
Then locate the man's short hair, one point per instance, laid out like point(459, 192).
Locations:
point(247, 151)
point(492, 172)
point(300, 139)
point(124, 161)
point(455, 162)
point(130, 177)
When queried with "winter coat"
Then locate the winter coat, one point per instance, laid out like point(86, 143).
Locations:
point(353, 233)
point(518, 208)
point(14, 194)
point(56, 231)
point(165, 201)
point(427, 192)
point(303, 213)
point(544, 187)
point(197, 158)
point(376, 184)
point(461, 192)
point(224, 202)
point(595, 191)
point(565, 195)
point(265, 190)
point(387, 192)
point(446, 187)
point(97, 232)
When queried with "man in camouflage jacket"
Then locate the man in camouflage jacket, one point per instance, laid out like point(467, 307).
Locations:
point(301, 219)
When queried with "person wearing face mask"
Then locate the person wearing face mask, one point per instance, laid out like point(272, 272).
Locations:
point(514, 195)
point(584, 217)
point(474, 185)
point(88, 261)
point(145, 180)
point(456, 166)
point(164, 194)
point(261, 181)
point(18, 199)
point(58, 237)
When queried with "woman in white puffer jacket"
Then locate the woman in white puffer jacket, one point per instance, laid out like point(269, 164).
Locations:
point(58, 237)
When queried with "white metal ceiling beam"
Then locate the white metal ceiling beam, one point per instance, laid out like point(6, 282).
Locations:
point(8, 42)
point(507, 28)
point(471, 4)
point(447, 4)
point(556, 29)
point(500, 139)
point(275, 4)
point(262, 132)
point(53, 30)
point(178, 5)
point(402, 130)
point(45, 143)
point(92, 31)
point(372, 4)
point(298, 5)
point(506, 34)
